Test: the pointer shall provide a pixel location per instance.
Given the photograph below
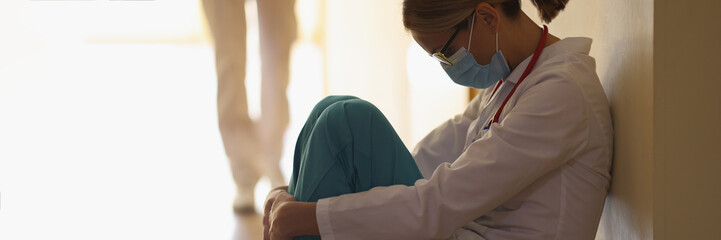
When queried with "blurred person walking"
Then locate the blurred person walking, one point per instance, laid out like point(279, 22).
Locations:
point(254, 148)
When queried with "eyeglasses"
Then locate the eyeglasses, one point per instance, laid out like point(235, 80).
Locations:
point(440, 56)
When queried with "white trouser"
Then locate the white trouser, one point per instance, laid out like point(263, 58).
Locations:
point(254, 149)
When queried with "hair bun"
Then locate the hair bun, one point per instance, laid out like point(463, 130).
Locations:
point(549, 9)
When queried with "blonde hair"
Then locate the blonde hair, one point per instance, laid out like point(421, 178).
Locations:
point(442, 15)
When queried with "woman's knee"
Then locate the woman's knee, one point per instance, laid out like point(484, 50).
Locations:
point(322, 105)
point(359, 106)
point(351, 112)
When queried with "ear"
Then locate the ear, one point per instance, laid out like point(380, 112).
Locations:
point(488, 15)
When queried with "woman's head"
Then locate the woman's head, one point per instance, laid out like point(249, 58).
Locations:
point(432, 16)
point(433, 22)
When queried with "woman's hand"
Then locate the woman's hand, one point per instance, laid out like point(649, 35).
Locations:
point(273, 222)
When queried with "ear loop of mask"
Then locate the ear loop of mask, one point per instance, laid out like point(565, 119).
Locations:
point(471, 34)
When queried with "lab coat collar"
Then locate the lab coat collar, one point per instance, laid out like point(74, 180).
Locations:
point(573, 45)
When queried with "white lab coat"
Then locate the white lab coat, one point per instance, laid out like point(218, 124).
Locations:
point(541, 172)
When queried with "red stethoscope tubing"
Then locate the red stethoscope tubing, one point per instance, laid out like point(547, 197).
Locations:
point(530, 66)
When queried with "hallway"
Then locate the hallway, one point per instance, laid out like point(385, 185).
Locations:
point(93, 150)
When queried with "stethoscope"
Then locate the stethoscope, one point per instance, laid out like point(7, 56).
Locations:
point(526, 72)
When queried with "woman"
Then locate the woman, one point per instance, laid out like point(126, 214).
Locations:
point(528, 159)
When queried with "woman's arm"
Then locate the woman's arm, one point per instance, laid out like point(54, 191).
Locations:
point(296, 219)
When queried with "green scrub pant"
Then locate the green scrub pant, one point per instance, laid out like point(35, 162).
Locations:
point(347, 146)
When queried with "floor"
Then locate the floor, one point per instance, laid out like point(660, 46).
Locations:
point(249, 226)
point(121, 142)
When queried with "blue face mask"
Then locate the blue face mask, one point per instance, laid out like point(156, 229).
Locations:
point(467, 72)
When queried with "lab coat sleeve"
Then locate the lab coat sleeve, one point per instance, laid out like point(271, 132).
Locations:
point(445, 143)
point(544, 129)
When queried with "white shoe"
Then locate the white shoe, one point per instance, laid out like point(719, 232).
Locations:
point(244, 201)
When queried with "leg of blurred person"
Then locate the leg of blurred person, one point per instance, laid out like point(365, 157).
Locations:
point(277, 27)
point(348, 146)
point(253, 148)
point(227, 23)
